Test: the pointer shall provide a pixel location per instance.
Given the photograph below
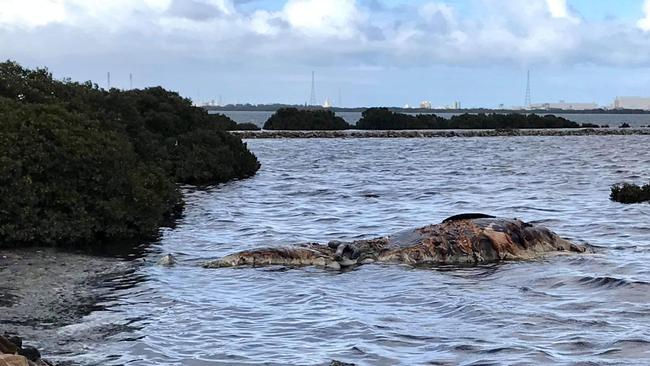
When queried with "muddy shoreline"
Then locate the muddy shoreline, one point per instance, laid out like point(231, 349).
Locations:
point(268, 134)
point(43, 290)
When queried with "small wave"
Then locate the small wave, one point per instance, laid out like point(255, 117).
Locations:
point(609, 282)
point(483, 363)
point(632, 341)
point(535, 293)
point(465, 348)
point(498, 350)
point(609, 352)
point(517, 208)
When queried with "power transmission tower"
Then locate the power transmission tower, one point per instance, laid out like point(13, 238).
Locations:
point(130, 81)
point(312, 97)
point(527, 102)
point(108, 80)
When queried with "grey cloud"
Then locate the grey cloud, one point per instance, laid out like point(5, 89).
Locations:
point(192, 9)
point(501, 35)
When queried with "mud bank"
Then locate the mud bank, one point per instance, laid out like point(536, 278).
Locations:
point(438, 133)
point(43, 290)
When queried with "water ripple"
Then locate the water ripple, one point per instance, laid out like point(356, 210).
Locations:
point(571, 310)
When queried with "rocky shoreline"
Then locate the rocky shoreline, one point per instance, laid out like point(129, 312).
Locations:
point(275, 134)
point(14, 353)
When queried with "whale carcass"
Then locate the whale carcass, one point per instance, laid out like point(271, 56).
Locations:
point(460, 239)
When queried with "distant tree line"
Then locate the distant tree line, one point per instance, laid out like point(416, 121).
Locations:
point(222, 122)
point(80, 165)
point(386, 119)
point(247, 107)
point(301, 119)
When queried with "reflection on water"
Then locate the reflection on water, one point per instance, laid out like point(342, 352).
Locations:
point(559, 310)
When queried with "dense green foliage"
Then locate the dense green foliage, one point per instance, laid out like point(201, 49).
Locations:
point(630, 193)
point(513, 120)
point(81, 165)
point(64, 179)
point(385, 119)
point(247, 126)
point(299, 119)
point(226, 124)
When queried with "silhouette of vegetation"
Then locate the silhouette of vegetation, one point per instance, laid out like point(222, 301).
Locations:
point(385, 119)
point(81, 165)
point(513, 120)
point(300, 119)
point(224, 123)
point(275, 106)
point(247, 126)
point(630, 193)
point(624, 125)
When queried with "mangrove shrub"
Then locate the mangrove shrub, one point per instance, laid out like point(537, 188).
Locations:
point(300, 119)
point(385, 119)
point(80, 165)
point(630, 193)
point(64, 180)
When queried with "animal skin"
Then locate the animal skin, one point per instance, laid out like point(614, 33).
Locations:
point(460, 239)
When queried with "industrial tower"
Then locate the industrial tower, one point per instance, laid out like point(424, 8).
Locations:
point(312, 97)
point(527, 102)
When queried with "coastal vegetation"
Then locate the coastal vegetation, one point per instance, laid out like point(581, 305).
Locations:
point(385, 119)
point(302, 119)
point(382, 118)
point(246, 126)
point(82, 166)
point(630, 193)
point(222, 122)
point(247, 107)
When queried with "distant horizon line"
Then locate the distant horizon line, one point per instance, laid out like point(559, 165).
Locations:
point(272, 107)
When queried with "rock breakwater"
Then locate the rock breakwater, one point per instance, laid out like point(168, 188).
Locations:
point(438, 133)
point(14, 353)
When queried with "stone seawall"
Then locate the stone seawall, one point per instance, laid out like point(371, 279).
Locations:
point(267, 134)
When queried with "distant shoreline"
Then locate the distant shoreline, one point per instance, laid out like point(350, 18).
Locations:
point(283, 134)
point(274, 107)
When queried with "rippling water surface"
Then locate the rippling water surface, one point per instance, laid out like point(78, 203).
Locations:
point(577, 309)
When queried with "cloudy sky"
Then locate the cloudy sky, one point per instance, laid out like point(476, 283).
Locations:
point(372, 52)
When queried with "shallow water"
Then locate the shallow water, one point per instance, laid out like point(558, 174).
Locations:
point(576, 309)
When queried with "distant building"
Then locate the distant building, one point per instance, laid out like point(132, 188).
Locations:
point(454, 105)
point(565, 106)
point(425, 104)
point(632, 103)
point(327, 103)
